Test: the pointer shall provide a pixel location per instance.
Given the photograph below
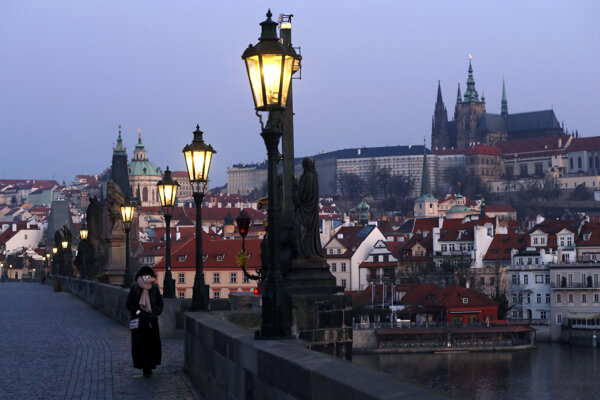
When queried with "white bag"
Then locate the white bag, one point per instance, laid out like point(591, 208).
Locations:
point(134, 323)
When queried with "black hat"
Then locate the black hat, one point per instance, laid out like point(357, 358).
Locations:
point(145, 270)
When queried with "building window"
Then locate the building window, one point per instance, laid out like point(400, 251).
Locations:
point(557, 283)
point(181, 278)
point(526, 279)
point(182, 295)
point(515, 280)
point(542, 314)
point(558, 298)
point(523, 170)
point(245, 279)
point(220, 257)
point(482, 281)
point(217, 294)
point(539, 279)
point(515, 314)
point(547, 279)
point(538, 298)
point(548, 298)
point(465, 300)
point(492, 281)
point(570, 297)
point(514, 298)
point(570, 280)
point(333, 267)
point(343, 267)
point(595, 280)
point(233, 277)
point(216, 277)
point(535, 240)
point(339, 251)
point(444, 247)
point(528, 298)
point(344, 283)
point(583, 297)
point(596, 298)
point(579, 162)
point(559, 318)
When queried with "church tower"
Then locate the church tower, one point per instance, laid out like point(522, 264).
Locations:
point(119, 171)
point(426, 205)
point(467, 113)
point(440, 136)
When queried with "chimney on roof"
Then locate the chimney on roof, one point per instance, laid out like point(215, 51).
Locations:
point(559, 143)
point(177, 233)
point(14, 227)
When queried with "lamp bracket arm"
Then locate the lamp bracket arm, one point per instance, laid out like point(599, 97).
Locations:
point(262, 125)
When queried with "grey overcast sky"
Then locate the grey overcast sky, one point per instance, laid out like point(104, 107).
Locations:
point(71, 71)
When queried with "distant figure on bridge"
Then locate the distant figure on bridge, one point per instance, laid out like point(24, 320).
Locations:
point(145, 303)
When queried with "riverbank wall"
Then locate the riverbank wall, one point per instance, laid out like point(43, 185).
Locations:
point(450, 339)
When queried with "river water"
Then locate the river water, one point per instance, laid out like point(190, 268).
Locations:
point(551, 371)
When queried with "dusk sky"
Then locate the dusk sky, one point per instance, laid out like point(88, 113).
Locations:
point(72, 71)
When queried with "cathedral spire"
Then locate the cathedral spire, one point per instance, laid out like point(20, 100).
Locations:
point(504, 110)
point(119, 148)
point(471, 94)
point(439, 95)
point(458, 95)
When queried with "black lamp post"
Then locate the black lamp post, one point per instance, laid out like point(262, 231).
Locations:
point(198, 156)
point(167, 193)
point(55, 270)
point(127, 212)
point(270, 65)
point(66, 256)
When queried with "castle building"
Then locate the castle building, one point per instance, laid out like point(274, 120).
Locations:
point(472, 124)
point(143, 177)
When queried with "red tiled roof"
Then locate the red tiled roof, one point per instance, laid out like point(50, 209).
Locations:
point(539, 145)
point(585, 144)
point(551, 226)
point(589, 235)
point(184, 255)
point(450, 296)
point(502, 244)
point(425, 224)
point(482, 149)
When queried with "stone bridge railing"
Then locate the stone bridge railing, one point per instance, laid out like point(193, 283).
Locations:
point(110, 300)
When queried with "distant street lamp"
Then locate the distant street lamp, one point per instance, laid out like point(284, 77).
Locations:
point(198, 156)
point(83, 232)
point(127, 212)
point(167, 193)
point(270, 65)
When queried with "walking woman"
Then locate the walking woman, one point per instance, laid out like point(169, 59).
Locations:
point(146, 303)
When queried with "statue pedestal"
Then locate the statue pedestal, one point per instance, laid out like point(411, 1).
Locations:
point(114, 272)
point(321, 313)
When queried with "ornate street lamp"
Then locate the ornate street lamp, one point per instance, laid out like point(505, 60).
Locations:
point(243, 223)
point(65, 244)
point(270, 66)
point(167, 193)
point(54, 250)
point(83, 232)
point(127, 212)
point(198, 156)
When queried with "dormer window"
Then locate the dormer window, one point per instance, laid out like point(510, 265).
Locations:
point(465, 300)
point(182, 258)
point(219, 257)
point(339, 251)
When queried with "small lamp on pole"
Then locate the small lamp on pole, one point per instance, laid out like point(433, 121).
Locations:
point(83, 232)
point(198, 156)
point(167, 193)
point(127, 213)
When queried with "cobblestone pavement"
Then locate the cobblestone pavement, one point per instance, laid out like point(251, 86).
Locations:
point(55, 346)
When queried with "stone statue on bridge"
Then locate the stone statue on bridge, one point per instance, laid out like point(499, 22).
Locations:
point(307, 213)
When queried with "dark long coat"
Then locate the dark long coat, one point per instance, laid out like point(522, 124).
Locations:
point(146, 348)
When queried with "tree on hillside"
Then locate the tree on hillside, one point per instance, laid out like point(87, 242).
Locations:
point(350, 184)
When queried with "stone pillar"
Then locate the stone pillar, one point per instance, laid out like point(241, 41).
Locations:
point(114, 271)
point(321, 313)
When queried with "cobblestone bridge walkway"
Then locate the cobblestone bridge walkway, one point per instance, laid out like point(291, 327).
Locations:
point(55, 346)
